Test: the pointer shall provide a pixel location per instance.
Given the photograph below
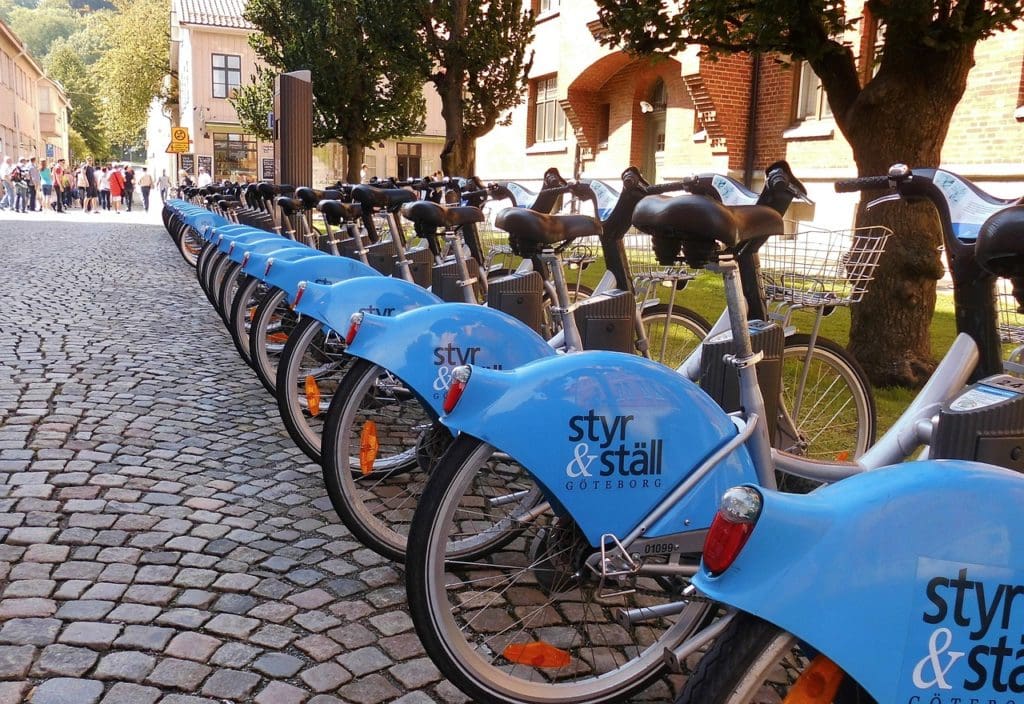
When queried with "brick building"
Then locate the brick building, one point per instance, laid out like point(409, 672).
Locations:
point(210, 57)
point(593, 110)
point(33, 108)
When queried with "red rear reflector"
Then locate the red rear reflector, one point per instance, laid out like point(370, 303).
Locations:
point(353, 327)
point(817, 684)
point(737, 514)
point(537, 654)
point(299, 293)
point(460, 377)
point(368, 446)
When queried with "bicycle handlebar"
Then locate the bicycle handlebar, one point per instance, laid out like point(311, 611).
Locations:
point(863, 183)
point(474, 194)
point(685, 185)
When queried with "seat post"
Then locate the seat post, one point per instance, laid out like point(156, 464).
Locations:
point(564, 309)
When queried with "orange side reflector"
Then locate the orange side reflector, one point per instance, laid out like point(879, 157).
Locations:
point(817, 684)
point(368, 446)
point(313, 396)
point(843, 456)
point(278, 338)
point(537, 654)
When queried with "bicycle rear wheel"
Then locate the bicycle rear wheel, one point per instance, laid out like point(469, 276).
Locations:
point(493, 584)
point(672, 337)
point(832, 415)
point(269, 331)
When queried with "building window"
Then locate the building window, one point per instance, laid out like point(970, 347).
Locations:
point(541, 7)
point(227, 74)
point(549, 120)
point(812, 103)
point(234, 156)
point(409, 160)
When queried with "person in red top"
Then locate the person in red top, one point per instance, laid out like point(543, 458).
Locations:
point(116, 189)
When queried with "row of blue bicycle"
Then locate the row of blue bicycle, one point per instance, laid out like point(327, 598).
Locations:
point(553, 505)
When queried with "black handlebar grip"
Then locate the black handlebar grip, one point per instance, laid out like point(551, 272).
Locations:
point(862, 184)
point(683, 185)
point(474, 194)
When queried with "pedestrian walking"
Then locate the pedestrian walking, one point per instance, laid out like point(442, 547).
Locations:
point(46, 179)
point(164, 184)
point(204, 178)
point(91, 193)
point(129, 186)
point(34, 184)
point(5, 177)
point(58, 186)
point(146, 184)
point(116, 189)
point(19, 177)
point(104, 186)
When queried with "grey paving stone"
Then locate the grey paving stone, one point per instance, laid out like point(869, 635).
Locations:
point(65, 690)
point(85, 610)
point(318, 647)
point(15, 661)
point(26, 608)
point(278, 665)
point(184, 618)
point(179, 674)
point(371, 689)
point(231, 684)
point(64, 660)
point(235, 655)
point(30, 631)
point(365, 660)
point(281, 693)
point(13, 692)
point(145, 637)
point(134, 613)
point(91, 634)
point(273, 636)
point(415, 674)
point(231, 625)
point(326, 677)
point(392, 623)
point(130, 666)
point(127, 693)
point(192, 646)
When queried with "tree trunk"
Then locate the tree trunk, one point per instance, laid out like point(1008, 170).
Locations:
point(902, 116)
point(458, 157)
point(354, 153)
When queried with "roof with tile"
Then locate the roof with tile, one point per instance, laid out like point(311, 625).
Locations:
point(214, 13)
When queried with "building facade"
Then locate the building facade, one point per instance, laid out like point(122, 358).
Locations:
point(592, 110)
point(33, 108)
point(210, 57)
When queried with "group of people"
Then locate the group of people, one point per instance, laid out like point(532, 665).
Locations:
point(31, 186)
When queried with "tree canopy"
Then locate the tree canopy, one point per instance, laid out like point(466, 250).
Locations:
point(899, 113)
point(362, 93)
point(64, 65)
point(41, 26)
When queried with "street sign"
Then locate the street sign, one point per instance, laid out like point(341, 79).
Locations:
point(179, 141)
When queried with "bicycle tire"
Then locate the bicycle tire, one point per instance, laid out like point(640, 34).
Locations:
point(746, 665)
point(463, 611)
point(678, 334)
point(837, 417)
point(226, 294)
point(311, 350)
point(243, 309)
point(190, 244)
point(376, 504)
point(274, 317)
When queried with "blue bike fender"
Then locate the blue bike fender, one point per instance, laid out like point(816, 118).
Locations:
point(225, 236)
point(607, 435)
point(204, 220)
point(214, 234)
point(264, 244)
point(325, 269)
point(907, 577)
point(422, 346)
point(334, 304)
point(256, 264)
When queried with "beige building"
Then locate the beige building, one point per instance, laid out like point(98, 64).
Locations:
point(33, 108)
point(210, 57)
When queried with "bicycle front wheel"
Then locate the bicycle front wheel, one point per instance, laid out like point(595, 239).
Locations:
point(527, 620)
point(754, 662)
point(310, 369)
point(829, 410)
point(671, 337)
point(271, 326)
point(379, 442)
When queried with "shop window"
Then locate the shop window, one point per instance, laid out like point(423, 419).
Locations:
point(234, 156)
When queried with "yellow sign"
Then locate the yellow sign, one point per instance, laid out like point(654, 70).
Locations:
point(179, 141)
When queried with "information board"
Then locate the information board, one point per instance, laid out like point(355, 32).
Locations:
point(187, 163)
point(269, 169)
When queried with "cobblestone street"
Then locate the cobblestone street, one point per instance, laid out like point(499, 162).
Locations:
point(161, 539)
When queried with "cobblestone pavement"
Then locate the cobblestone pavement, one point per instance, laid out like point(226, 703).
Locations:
point(161, 539)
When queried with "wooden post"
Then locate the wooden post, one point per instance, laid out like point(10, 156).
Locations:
point(293, 128)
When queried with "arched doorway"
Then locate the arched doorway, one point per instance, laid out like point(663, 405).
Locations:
point(654, 111)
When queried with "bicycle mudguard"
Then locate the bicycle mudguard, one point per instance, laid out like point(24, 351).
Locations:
point(256, 264)
point(229, 241)
point(202, 220)
point(334, 304)
point(266, 244)
point(324, 269)
point(920, 563)
point(607, 436)
point(422, 346)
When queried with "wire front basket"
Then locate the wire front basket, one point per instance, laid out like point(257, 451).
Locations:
point(1011, 312)
point(644, 264)
point(817, 268)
